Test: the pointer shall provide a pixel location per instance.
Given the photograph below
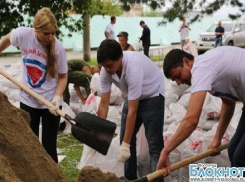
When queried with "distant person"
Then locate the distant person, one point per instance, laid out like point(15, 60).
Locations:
point(79, 73)
point(146, 38)
point(219, 31)
point(110, 29)
point(123, 40)
point(187, 46)
point(184, 32)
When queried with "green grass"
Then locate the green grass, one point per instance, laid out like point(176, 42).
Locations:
point(93, 61)
point(157, 58)
point(72, 148)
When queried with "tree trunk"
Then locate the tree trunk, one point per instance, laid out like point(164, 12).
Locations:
point(86, 37)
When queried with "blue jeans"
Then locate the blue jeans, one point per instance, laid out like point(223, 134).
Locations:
point(151, 114)
point(218, 42)
point(236, 149)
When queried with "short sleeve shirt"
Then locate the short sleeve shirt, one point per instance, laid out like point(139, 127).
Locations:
point(221, 71)
point(34, 57)
point(140, 78)
point(110, 28)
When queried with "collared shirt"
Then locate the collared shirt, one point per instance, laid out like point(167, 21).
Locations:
point(140, 78)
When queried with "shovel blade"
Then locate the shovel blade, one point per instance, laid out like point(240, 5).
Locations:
point(94, 131)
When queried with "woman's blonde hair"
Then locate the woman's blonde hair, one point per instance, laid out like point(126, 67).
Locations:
point(43, 19)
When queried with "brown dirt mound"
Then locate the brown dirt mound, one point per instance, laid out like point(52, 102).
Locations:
point(6, 171)
point(22, 149)
point(91, 174)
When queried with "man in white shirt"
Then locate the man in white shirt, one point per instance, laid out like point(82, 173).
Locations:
point(221, 72)
point(110, 29)
point(142, 83)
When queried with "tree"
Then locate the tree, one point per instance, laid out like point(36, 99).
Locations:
point(24, 11)
point(181, 7)
point(15, 13)
point(96, 7)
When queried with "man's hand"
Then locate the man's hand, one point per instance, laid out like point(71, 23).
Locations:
point(164, 162)
point(55, 105)
point(124, 152)
point(215, 146)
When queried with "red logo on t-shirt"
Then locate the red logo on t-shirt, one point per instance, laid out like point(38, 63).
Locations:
point(34, 73)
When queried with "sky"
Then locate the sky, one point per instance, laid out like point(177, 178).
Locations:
point(224, 11)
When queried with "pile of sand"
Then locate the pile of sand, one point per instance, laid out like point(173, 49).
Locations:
point(22, 157)
point(91, 174)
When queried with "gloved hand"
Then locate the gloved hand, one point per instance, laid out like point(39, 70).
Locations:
point(55, 105)
point(124, 152)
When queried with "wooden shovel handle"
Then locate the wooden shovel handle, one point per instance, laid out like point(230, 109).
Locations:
point(184, 162)
point(32, 93)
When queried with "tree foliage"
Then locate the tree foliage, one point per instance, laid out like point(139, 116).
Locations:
point(181, 7)
point(14, 13)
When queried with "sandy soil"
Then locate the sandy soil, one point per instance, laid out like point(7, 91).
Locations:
point(21, 154)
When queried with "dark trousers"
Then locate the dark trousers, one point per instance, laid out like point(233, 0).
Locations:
point(50, 126)
point(146, 50)
point(236, 149)
point(151, 114)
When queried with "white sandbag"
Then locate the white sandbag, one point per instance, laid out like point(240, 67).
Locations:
point(67, 109)
point(114, 114)
point(184, 100)
point(170, 98)
point(14, 94)
point(212, 103)
point(92, 103)
point(95, 84)
point(178, 112)
point(138, 45)
point(177, 89)
point(221, 160)
point(108, 163)
point(143, 157)
point(116, 95)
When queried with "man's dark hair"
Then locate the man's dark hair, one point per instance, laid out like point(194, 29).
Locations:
point(113, 18)
point(109, 49)
point(142, 22)
point(174, 59)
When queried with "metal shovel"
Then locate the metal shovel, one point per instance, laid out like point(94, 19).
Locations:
point(177, 165)
point(87, 128)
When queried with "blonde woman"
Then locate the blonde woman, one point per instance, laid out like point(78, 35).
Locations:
point(44, 71)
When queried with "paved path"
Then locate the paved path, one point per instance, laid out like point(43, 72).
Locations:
point(154, 51)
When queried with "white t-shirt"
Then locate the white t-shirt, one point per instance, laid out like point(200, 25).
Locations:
point(141, 78)
point(110, 28)
point(184, 31)
point(34, 66)
point(221, 71)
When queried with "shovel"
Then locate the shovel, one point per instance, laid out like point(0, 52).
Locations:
point(87, 128)
point(177, 165)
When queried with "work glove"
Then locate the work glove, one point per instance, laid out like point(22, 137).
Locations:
point(124, 152)
point(55, 105)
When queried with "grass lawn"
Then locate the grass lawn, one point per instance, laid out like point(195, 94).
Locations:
point(93, 61)
point(72, 149)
